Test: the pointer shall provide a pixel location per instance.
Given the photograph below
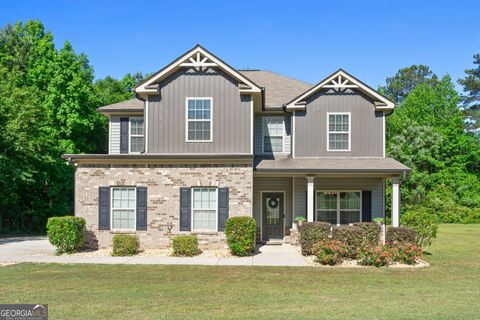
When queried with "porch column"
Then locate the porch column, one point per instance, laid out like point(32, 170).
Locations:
point(395, 202)
point(310, 195)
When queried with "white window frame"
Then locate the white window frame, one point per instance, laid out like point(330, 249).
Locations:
point(264, 118)
point(134, 210)
point(338, 203)
point(198, 120)
point(349, 132)
point(135, 135)
point(192, 210)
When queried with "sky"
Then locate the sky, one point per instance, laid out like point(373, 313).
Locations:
point(306, 40)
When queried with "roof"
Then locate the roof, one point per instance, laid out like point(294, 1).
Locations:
point(329, 164)
point(132, 105)
point(279, 89)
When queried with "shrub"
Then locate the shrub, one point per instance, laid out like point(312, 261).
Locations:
point(405, 253)
point(378, 220)
point(424, 223)
point(67, 233)
point(299, 219)
point(371, 232)
point(401, 235)
point(240, 232)
point(329, 252)
point(311, 233)
point(352, 237)
point(125, 245)
point(377, 256)
point(185, 245)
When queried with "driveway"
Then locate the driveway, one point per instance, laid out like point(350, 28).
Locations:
point(38, 249)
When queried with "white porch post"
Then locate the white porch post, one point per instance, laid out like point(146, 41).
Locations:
point(395, 202)
point(310, 195)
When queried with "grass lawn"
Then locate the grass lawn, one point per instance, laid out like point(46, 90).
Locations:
point(449, 289)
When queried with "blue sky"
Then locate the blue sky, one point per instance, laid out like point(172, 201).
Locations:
point(306, 40)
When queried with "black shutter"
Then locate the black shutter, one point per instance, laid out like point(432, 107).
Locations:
point(141, 208)
point(223, 196)
point(104, 208)
point(185, 204)
point(123, 135)
point(366, 206)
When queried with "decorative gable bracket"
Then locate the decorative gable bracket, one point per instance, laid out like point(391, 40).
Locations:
point(199, 62)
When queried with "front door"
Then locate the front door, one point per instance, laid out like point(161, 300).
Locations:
point(273, 216)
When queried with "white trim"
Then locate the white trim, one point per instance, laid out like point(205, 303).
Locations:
point(293, 200)
point(340, 84)
point(136, 135)
point(310, 198)
point(145, 126)
point(283, 134)
point(384, 132)
point(395, 202)
point(134, 209)
point(292, 136)
point(338, 203)
point(193, 58)
point(191, 210)
point(349, 131)
point(109, 134)
point(198, 120)
point(261, 211)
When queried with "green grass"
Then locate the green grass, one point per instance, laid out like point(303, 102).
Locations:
point(449, 289)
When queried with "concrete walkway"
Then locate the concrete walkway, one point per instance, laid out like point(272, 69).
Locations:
point(38, 249)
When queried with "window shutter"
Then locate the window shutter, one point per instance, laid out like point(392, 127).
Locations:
point(141, 208)
point(104, 208)
point(366, 206)
point(185, 209)
point(123, 135)
point(223, 197)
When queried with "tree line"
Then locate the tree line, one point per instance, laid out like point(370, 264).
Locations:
point(48, 98)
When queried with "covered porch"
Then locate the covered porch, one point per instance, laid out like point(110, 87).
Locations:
point(334, 190)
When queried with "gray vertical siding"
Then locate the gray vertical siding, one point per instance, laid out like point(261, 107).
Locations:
point(366, 126)
point(338, 184)
point(231, 114)
point(258, 133)
point(272, 184)
point(114, 135)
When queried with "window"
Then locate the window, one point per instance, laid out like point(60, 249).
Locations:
point(199, 119)
point(273, 133)
point(339, 207)
point(136, 135)
point(204, 209)
point(338, 126)
point(123, 208)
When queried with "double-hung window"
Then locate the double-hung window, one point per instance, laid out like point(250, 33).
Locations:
point(204, 209)
point(338, 135)
point(339, 207)
point(136, 135)
point(123, 206)
point(273, 128)
point(199, 120)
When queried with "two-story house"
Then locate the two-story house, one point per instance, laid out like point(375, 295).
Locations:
point(202, 142)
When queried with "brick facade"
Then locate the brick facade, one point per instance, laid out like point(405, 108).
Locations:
point(163, 184)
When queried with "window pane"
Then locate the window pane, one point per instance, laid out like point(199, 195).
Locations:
point(347, 217)
point(136, 126)
point(123, 219)
point(204, 220)
point(350, 200)
point(327, 216)
point(338, 141)
point(205, 198)
point(327, 200)
point(136, 144)
point(123, 198)
point(272, 144)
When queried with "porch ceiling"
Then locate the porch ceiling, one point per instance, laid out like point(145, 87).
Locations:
point(329, 166)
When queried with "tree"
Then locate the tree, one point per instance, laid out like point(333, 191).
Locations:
point(406, 79)
point(471, 85)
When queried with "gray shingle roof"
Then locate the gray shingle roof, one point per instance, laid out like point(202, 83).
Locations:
point(132, 105)
point(279, 89)
point(330, 164)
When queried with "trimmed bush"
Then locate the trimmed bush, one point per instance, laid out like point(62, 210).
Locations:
point(67, 233)
point(405, 253)
point(371, 232)
point(352, 237)
point(125, 245)
point(401, 235)
point(185, 245)
point(424, 223)
point(377, 256)
point(329, 252)
point(241, 232)
point(311, 233)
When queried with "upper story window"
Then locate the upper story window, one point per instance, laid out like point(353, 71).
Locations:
point(338, 131)
point(137, 135)
point(199, 120)
point(273, 133)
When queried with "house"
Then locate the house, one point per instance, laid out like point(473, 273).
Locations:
point(202, 142)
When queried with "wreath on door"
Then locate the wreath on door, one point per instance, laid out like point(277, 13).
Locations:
point(273, 203)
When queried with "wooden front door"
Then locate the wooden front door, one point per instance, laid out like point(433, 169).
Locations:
point(273, 216)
